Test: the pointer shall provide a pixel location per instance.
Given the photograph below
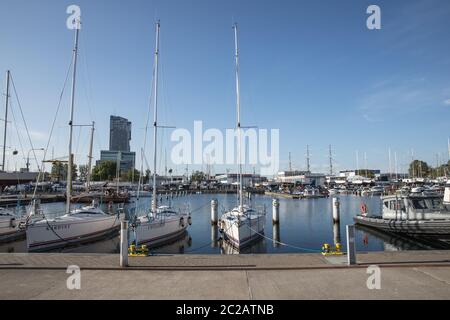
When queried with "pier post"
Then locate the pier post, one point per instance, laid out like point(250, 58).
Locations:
point(351, 247)
point(336, 210)
point(275, 211)
point(214, 211)
point(124, 244)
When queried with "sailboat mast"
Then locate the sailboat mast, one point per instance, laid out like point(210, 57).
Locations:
point(155, 122)
point(6, 118)
point(91, 145)
point(72, 104)
point(238, 106)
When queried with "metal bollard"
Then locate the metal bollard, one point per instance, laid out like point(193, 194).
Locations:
point(214, 211)
point(275, 211)
point(124, 244)
point(336, 210)
point(351, 247)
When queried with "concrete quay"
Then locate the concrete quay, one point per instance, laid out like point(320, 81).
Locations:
point(404, 275)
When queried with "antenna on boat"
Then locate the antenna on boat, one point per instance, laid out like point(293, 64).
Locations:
point(155, 122)
point(238, 107)
point(72, 104)
point(6, 118)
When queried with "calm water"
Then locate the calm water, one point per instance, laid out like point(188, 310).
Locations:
point(304, 226)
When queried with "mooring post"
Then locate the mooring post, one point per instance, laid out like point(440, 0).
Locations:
point(275, 211)
point(336, 210)
point(214, 211)
point(124, 244)
point(351, 247)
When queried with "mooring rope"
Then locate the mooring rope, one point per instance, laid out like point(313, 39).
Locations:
point(282, 243)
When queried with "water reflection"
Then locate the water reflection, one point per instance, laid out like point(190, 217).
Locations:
point(336, 233)
point(258, 246)
point(214, 236)
point(276, 235)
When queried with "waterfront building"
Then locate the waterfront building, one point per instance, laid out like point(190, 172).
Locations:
point(119, 144)
point(301, 177)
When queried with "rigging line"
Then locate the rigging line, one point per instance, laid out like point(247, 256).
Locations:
point(78, 141)
point(282, 243)
point(209, 243)
point(141, 173)
point(23, 119)
point(87, 84)
point(17, 130)
point(53, 127)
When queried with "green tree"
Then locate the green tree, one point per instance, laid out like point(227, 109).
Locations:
point(105, 170)
point(130, 176)
point(198, 176)
point(148, 173)
point(419, 168)
point(83, 172)
point(58, 171)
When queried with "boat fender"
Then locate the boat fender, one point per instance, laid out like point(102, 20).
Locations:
point(182, 222)
point(190, 220)
point(221, 225)
point(12, 223)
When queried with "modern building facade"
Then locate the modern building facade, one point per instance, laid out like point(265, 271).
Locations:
point(119, 144)
point(126, 159)
point(119, 134)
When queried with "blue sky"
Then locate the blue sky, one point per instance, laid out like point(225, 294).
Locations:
point(310, 68)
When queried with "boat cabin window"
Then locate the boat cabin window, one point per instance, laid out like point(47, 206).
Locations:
point(436, 204)
point(395, 205)
point(419, 204)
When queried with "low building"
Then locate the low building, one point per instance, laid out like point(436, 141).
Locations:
point(127, 158)
point(248, 180)
point(301, 177)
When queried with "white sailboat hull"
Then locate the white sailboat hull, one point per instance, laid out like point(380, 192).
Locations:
point(244, 233)
point(40, 235)
point(160, 230)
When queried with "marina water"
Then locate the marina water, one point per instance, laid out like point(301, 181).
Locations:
point(305, 225)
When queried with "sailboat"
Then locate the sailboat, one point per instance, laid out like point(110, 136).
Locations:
point(242, 225)
point(161, 223)
point(76, 225)
point(9, 225)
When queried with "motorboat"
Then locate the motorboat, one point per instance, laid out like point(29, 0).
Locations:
point(414, 213)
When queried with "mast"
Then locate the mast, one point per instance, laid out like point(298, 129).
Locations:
point(72, 105)
point(119, 157)
point(290, 163)
point(6, 118)
point(155, 116)
point(448, 147)
point(91, 144)
point(308, 167)
point(396, 165)
point(331, 160)
point(238, 107)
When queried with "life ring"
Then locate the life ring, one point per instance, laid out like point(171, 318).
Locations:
point(182, 222)
point(364, 209)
